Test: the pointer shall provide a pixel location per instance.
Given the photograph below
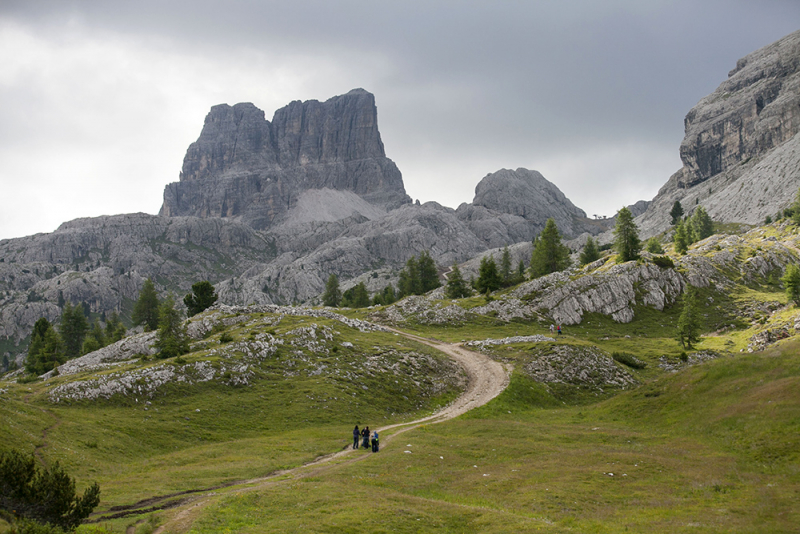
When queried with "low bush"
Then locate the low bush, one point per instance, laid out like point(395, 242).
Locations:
point(664, 262)
point(625, 358)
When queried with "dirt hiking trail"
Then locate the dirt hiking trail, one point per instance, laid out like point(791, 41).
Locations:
point(486, 380)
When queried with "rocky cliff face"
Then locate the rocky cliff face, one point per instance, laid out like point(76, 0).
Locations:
point(527, 194)
point(103, 262)
point(741, 150)
point(253, 170)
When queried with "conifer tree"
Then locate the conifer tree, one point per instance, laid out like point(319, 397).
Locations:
point(409, 283)
point(46, 351)
point(46, 496)
point(791, 280)
point(505, 268)
point(389, 296)
point(202, 297)
point(488, 277)
point(172, 340)
point(680, 239)
point(456, 286)
point(626, 237)
point(589, 253)
point(795, 209)
point(676, 213)
point(548, 255)
point(72, 329)
point(333, 295)
point(95, 339)
point(145, 311)
point(428, 274)
point(654, 247)
point(356, 297)
point(114, 330)
point(689, 320)
point(702, 226)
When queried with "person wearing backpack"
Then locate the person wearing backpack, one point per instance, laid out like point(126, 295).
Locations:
point(375, 441)
point(356, 435)
point(365, 435)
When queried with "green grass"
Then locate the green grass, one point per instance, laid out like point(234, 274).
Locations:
point(710, 449)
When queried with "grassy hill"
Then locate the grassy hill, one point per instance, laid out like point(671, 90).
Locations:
point(611, 427)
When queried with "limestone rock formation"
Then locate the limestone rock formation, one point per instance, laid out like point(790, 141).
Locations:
point(529, 195)
point(741, 151)
point(103, 262)
point(252, 170)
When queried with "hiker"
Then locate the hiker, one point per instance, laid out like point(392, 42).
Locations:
point(365, 435)
point(552, 329)
point(559, 330)
point(356, 435)
point(375, 441)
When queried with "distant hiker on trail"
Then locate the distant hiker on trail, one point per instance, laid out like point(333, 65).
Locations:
point(375, 441)
point(365, 435)
point(559, 330)
point(552, 329)
point(356, 435)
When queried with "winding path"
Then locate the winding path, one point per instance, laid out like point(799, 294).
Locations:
point(486, 380)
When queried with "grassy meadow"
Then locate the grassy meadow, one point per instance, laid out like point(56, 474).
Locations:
point(691, 447)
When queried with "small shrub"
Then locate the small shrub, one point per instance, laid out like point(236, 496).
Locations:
point(225, 338)
point(27, 379)
point(665, 262)
point(684, 357)
point(628, 359)
point(180, 360)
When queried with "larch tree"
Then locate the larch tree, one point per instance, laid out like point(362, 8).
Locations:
point(626, 237)
point(548, 255)
point(333, 295)
point(145, 311)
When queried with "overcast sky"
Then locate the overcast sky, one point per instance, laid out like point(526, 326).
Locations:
point(100, 100)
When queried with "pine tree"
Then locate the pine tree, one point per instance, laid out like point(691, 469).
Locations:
point(172, 339)
point(115, 330)
point(689, 320)
point(795, 209)
point(505, 268)
point(145, 311)
point(46, 351)
point(428, 274)
point(389, 296)
point(680, 239)
point(356, 297)
point(72, 329)
point(548, 255)
point(202, 297)
point(456, 286)
point(654, 247)
point(46, 496)
point(676, 213)
point(488, 277)
point(626, 237)
point(702, 226)
point(333, 295)
point(589, 253)
point(791, 280)
point(95, 339)
point(409, 283)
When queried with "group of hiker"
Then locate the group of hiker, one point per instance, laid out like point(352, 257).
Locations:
point(363, 436)
point(554, 328)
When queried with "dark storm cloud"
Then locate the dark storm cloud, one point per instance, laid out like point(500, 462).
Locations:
point(593, 94)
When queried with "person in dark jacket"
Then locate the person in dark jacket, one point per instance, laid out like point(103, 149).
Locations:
point(356, 435)
point(375, 441)
point(365, 436)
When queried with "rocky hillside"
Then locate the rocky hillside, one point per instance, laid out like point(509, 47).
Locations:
point(252, 170)
point(741, 151)
point(722, 266)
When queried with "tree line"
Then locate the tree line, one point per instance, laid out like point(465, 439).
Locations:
point(52, 345)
